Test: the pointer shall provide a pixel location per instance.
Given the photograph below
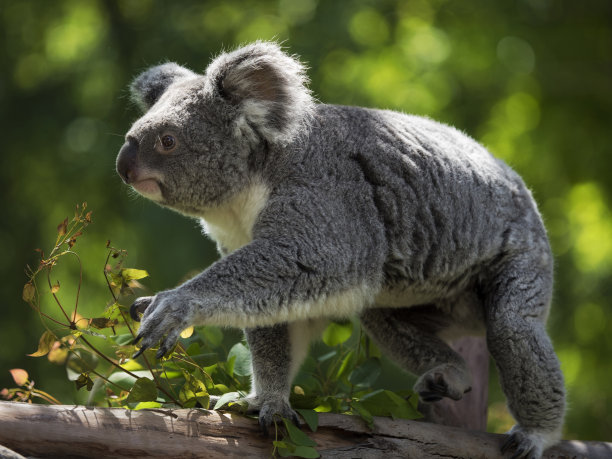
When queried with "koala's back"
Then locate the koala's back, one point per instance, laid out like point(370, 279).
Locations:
point(448, 209)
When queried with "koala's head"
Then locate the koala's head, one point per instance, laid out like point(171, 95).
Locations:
point(191, 148)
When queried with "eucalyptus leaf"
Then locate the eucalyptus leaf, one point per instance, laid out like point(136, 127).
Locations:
point(337, 333)
point(242, 364)
point(144, 390)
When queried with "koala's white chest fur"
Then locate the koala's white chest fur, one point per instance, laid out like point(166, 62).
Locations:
point(231, 224)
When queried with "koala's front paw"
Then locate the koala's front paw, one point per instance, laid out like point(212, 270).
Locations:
point(165, 314)
point(272, 411)
point(443, 381)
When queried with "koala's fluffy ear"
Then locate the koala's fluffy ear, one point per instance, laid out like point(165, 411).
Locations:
point(148, 87)
point(268, 89)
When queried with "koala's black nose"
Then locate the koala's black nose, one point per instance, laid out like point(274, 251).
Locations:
point(126, 160)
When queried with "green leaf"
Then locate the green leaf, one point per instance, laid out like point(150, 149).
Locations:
point(102, 322)
point(346, 364)
point(193, 349)
point(311, 417)
point(44, 344)
point(328, 355)
point(125, 380)
point(367, 373)
point(360, 410)
point(242, 364)
point(306, 451)
point(214, 335)
point(123, 340)
point(286, 450)
point(225, 399)
point(129, 274)
point(85, 331)
point(147, 405)
point(84, 381)
point(112, 312)
point(193, 391)
point(144, 390)
point(387, 403)
point(336, 333)
point(297, 436)
point(229, 365)
point(80, 361)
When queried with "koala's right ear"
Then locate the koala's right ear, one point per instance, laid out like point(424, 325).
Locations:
point(148, 87)
point(267, 89)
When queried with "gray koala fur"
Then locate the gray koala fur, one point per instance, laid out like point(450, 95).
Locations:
point(325, 212)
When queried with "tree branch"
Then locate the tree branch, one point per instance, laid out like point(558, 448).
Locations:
point(79, 431)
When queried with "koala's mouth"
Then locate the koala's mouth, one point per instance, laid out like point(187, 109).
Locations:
point(149, 188)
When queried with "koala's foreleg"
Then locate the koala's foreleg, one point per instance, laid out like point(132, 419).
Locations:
point(516, 308)
point(277, 353)
point(271, 382)
point(408, 336)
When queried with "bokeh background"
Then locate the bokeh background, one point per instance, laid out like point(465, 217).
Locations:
point(531, 79)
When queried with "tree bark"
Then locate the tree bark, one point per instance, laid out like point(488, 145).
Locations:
point(79, 431)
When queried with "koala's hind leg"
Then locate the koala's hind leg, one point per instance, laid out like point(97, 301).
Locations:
point(409, 336)
point(517, 299)
point(277, 353)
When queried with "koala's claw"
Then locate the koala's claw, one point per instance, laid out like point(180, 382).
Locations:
point(271, 413)
point(140, 306)
point(524, 445)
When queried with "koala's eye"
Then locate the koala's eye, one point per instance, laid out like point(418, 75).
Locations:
point(168, 142)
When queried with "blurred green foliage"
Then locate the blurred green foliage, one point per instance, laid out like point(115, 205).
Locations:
point(531, 79)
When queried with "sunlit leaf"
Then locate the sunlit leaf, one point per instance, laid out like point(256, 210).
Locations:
point(129, 274)
point(336, 333)
point(147, 405)
point(144, 390)
point(57, 354)
point(55, 287)
point(346, 364)
point(19, 376)
point(225, 399)
point(298, 390)
point(45, 344)
point(187, 332)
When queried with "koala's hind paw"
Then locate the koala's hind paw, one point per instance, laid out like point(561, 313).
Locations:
point(443, 381)
point(525, 444)
point(272, 411)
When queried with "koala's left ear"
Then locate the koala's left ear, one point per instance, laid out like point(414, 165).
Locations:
point(148, 87)
point(267, 88)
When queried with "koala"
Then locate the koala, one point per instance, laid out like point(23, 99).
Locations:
point(324, 212)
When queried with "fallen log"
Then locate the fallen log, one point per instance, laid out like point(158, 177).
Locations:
point(79, 431)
